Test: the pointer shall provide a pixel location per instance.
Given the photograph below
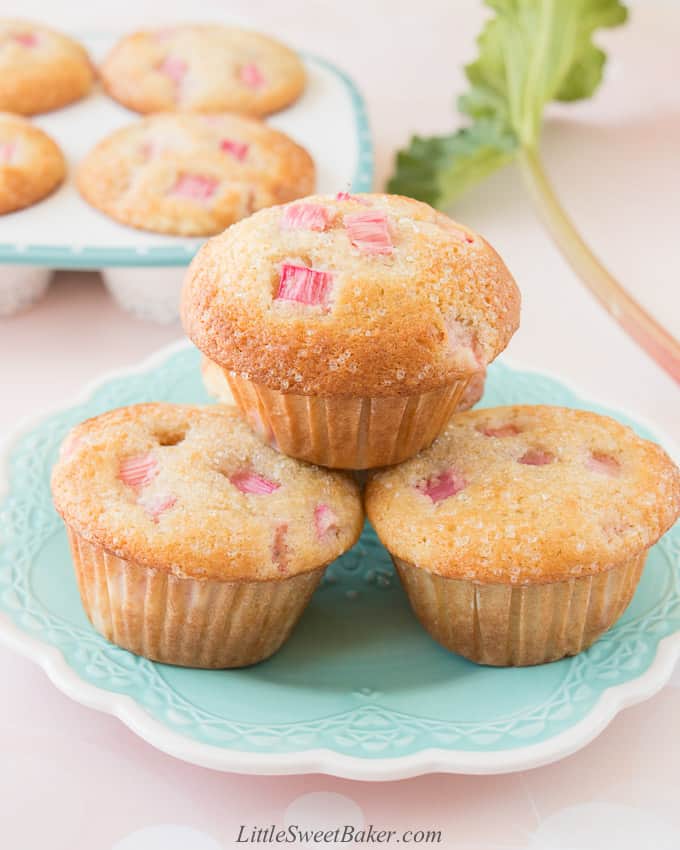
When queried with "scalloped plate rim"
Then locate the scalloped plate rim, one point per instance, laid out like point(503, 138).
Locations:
point(430, 760)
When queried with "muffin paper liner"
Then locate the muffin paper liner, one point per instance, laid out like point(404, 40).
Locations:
point(344, 432)
point(506, 625)
point(185, 621)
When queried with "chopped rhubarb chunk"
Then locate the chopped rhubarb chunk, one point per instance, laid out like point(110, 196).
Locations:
point(280, 553)
point(251, 76)
point(239, 150)
point(26, 39)
point(305, 217)
point(7, 150)
point(604, 464)
point(345, 196)
point(464, 351)
point(251, 482)
point(325, 519)
point(443, 485)
point(308, 286)
point(138, 471)
point(369, 232)
point(174, 68)
point(500, 431)
point(536, 457)
point(196, 187)
point(158, 505)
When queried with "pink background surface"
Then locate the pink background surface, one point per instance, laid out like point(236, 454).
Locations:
point(73, 778)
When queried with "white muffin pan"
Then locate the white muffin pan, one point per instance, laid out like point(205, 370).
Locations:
point(143, 271)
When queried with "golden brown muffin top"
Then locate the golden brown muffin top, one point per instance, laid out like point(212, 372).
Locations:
point(191, 490)
point(31, 163)
point(526, 495)
point(203, 68)
point(356, 295)
point(40, 69)
point(193, 175)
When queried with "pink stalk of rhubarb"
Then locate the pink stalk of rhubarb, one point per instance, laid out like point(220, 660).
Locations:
point(305, 217)
point(251, 482)
point(195, 187)
point(369, 232)
point(251, 76)
point(305, 285)
point(325, 519)
point(239, 150)
point(603, 464)
point(536, 457)
point(441, 486)
point(138, 471)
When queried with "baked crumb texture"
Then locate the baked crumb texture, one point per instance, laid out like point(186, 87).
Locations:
point(32, 165)
point(203, 68)
point(40, 69)
point(193, 175)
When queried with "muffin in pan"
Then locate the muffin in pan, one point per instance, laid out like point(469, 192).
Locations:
point(521, 533)
point(32, 165)
point(349, 327)
point(193, 542)
point(40, 69)
point(193, 175)
point(216, 383)
point(203, 68)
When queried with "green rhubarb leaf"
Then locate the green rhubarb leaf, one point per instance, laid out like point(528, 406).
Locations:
point(441, 167)
point(530, 53)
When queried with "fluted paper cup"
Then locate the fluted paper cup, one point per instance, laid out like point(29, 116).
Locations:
point(345, 432)
point(505, 625)
point(185, 621)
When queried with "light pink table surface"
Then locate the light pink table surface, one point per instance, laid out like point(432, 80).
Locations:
point(71, 778)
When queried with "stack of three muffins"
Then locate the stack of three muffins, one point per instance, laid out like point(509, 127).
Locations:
point(349, 330)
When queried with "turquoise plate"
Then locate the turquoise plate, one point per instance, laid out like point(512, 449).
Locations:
point(360, 690)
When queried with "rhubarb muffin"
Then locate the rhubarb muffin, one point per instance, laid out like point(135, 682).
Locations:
point(31, 164)
point(193, 542)
point(203, 68)
point(193, 175)
point(520, 535)
point(216, 383)
point(349, 327)
point(40, 69)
